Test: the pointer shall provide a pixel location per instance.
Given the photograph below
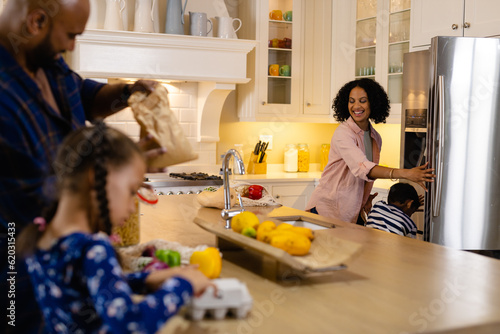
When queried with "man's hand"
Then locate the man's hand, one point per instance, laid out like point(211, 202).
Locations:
point(147, 86)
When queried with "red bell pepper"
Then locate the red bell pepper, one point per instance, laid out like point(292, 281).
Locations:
point(255, 191)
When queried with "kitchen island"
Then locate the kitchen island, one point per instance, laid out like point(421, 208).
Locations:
point(394, 285)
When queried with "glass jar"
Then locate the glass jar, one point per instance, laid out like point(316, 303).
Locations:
point(129, 233)
point(323, 158)
point(303, 158)
point(291, 158)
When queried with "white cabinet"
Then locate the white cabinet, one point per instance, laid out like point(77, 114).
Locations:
point(293, 195)
point(472, 18)
point(304, 44)
point(382, 37)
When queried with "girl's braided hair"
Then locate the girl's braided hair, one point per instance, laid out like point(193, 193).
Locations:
point(100, 174)
point(97, 147)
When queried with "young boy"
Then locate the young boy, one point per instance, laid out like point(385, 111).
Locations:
point(395, 216)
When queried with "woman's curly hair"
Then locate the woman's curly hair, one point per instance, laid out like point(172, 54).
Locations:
point(379, 101)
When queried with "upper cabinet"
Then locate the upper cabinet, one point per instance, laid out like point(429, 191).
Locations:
point(382, 37)
point(291, 66)
point(472, 18)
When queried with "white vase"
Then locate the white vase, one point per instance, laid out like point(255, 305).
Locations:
point(113, 19)
point(144, 15)
point(93, 21)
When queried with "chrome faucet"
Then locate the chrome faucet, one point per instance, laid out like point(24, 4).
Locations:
point(227, 213)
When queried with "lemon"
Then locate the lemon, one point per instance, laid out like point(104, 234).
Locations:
point(284, 226)
point(264, 229)
point(244, 219)
point(209, 261)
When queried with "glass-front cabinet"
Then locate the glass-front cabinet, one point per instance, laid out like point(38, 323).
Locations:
point(290, 70)
point(280, 58)
point(382, 37)
point(366, 38)
point(399, 44)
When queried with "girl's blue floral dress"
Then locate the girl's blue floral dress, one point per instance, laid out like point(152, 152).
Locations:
point(81, 288)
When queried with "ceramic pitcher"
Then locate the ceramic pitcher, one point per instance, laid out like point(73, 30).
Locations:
point(93, 21)
point(225, 26)
point(113, 19)
point(198, 24)
point(175, 17)
point(144, 15)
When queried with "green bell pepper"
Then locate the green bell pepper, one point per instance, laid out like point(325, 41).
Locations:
point(170, 257)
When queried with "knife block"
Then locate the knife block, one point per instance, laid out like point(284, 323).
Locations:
point(255, 167)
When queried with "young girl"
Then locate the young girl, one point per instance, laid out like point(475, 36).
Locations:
point(77, 279)
point(344, 188)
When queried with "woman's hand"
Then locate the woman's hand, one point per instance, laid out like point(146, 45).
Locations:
point(420, 175)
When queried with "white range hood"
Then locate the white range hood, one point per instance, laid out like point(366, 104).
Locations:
point(216, 64)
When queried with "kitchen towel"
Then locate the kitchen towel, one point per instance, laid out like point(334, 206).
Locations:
point(155, 117)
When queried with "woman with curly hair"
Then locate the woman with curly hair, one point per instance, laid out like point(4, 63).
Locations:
point(344, 188)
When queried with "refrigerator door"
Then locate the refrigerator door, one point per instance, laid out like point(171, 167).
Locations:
point(463, 209)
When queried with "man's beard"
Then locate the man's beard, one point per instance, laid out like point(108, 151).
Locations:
point(42, 55)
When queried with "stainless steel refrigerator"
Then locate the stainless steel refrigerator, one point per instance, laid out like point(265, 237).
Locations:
point(459, 78)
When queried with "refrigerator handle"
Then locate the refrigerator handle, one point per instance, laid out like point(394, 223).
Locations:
point(440, 138)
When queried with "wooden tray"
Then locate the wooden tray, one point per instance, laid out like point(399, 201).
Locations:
point(327, 252)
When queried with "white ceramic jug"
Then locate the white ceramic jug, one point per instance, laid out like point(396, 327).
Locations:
point(93, 21)
point(113, 19)
point(144, 15)
point(198, 24)
point(225, 26)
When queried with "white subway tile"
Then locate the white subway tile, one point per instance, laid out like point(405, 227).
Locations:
point(179, 100)
point(186, 129)
point(188, 115)
point(133, 129)
point(189, 88)
point(172, 88)
point(193, 129)
point(120, 126)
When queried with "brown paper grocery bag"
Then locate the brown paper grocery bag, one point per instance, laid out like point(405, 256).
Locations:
point(153, 114)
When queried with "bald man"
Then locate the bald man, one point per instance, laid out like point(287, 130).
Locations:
point(41, 101)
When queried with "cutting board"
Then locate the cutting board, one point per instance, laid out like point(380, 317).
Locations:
point(327, 252)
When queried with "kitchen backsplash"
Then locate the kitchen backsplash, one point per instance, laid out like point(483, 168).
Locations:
point(183, 102)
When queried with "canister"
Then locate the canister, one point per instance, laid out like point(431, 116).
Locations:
point(291, 158)
point(129, 233)
point(303, 158)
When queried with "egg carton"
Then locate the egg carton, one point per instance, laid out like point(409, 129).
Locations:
point(232, 297)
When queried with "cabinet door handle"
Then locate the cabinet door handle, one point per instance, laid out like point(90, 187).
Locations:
point(454, 26)
point(466, 25)
point(308, 104)
point(278, 196)
point(263, 103)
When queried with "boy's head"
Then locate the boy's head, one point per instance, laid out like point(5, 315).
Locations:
point(405, 197)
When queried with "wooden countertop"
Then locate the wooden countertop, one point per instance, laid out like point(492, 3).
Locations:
point(395, 284)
